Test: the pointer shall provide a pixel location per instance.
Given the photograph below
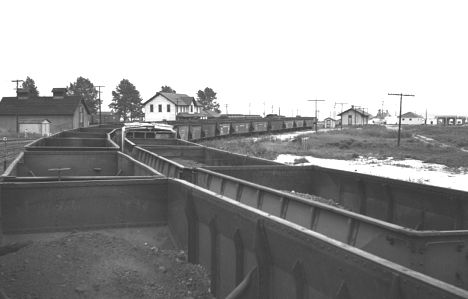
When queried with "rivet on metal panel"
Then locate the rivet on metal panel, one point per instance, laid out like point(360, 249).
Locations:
point(300, 280)
point(239, 248)
point(343, 292)
point(192, 229)
point(264, 260)
point(215, 273)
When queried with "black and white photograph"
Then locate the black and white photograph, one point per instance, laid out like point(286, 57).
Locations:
point(233, 149)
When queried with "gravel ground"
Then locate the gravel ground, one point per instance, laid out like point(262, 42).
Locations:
point(100, 265)
point(310, 197)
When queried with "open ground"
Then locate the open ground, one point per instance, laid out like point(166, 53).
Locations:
point(440, 145)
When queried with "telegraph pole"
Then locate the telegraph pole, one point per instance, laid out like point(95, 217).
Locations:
point(17, 81)
point(399, 117)
point(316, 120)
point(99, 91)
point(341, 121)
point(226, 105)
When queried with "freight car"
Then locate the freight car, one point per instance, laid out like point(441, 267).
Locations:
point(409, 223)
point(208, 129)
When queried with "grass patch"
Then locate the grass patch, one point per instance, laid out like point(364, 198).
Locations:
point(371, 141)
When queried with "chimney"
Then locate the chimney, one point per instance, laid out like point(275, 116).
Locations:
point(59, 93)
point(22, 93)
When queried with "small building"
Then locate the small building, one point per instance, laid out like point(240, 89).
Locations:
point(165, 106)
point(354, 117)
point(26, 114)
point(410, 118)
point(451, 120)
point(329, 123)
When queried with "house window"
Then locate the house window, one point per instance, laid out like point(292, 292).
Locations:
point(350, 119)
point(168, 108)
point(160, 107)
point(410, 119)
point(151, 108)
point(191, 108)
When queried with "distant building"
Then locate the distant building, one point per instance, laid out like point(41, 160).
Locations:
point(451, 120)
point(354, 117)
point(410, 118)
point(329, 123)
point(166, 106)
point(42, 115)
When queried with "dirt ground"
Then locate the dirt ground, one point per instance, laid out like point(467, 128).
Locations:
point(131, 263)
point(311, 197)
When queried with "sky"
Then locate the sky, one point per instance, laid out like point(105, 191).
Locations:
point(259, 56)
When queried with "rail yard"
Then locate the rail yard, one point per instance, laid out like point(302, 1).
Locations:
point(245, 220)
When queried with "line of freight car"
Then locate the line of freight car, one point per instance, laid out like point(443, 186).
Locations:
point(249, 253)
point(418, 226)
point(206, 129)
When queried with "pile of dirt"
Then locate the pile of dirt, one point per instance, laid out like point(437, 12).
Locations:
point(311, 197)
point(95, 265)
point(187, 163)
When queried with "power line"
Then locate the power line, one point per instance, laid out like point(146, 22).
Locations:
point(99, 91)
point(316, 120)
point(399, 118)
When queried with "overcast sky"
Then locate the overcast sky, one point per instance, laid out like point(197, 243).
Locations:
point(281, 53)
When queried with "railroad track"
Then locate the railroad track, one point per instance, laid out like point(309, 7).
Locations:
point(10, 149)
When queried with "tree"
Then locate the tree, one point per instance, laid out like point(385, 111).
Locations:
point(31, 86)
point(207, 99)
point(86, 91)
point(126, 101)
point(166, 88)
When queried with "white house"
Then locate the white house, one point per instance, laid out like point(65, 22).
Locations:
point(166, 106)
point(410, 118)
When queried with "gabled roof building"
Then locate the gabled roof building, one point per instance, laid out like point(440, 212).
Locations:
point(165, 106)
point(42, 115)
point(354, 117)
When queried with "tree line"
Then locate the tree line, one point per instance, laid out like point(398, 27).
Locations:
point(126, 100)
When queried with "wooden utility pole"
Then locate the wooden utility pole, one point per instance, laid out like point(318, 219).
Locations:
point(316, 120)
point(399, 117)
point(341, 121)
point(99, 92)
point(17, 81)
